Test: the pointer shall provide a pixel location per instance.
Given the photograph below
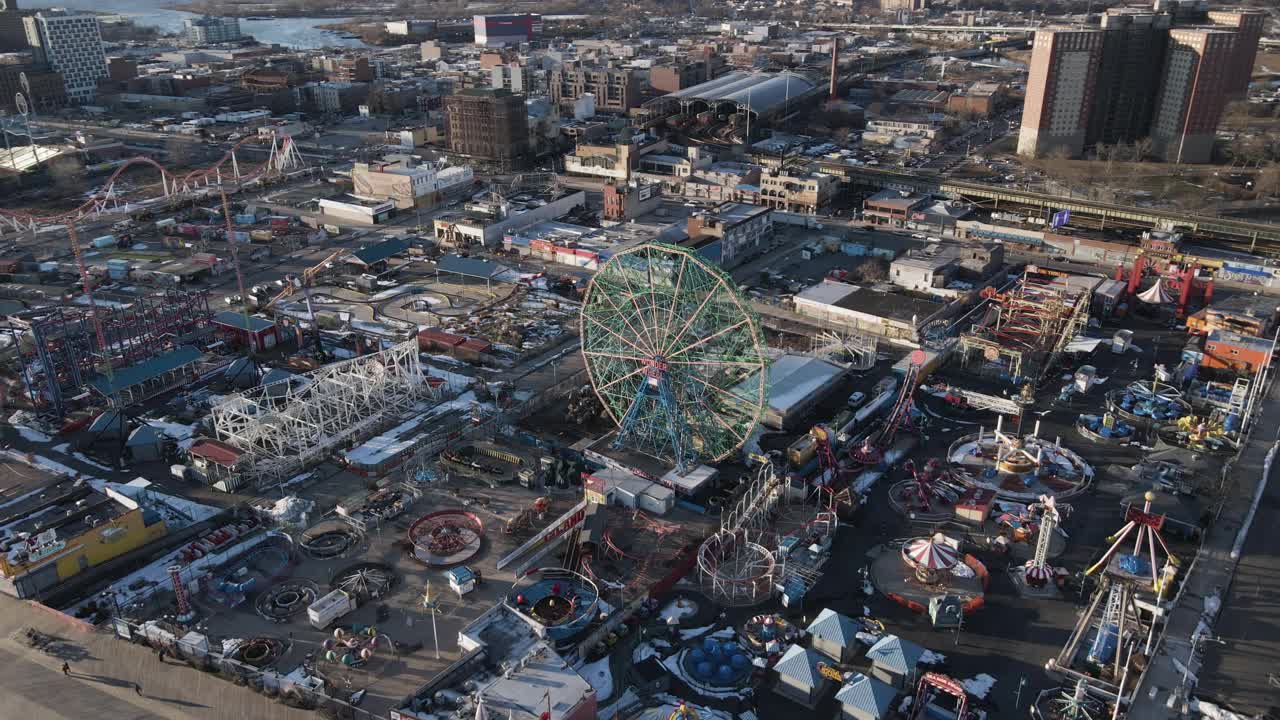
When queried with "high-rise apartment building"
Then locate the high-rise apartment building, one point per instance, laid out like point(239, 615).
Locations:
point(210, 30)
point(1142, 76)
point(72, 45)
point(13, 37)
point(1193, 92)
point(490, 125)
point(1133, 45)
point(1248, 25)
point(616, 90)
point(1060, 91)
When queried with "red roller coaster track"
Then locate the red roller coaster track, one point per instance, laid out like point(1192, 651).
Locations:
point(283, 158)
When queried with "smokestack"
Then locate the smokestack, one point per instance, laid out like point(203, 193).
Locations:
point(834, 90)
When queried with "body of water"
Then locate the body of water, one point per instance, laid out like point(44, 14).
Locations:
point(301, 33)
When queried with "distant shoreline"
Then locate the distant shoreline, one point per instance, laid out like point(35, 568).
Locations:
point(232, 10)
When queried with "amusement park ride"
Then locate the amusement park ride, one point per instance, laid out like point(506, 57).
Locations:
point(674, 354)
point(902, 415)
point(1179, 278)
point(1127, 625)
point(124, 339)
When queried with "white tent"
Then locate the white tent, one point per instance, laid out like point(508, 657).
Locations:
point(1157, 294)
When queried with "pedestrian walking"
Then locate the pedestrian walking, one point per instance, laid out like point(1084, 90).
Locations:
point(161, 655)
point(138, 689)
point(66, 669)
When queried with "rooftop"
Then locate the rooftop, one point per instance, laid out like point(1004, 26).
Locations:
point(894, 306)
point(146, 370)
point(237, 320)
point(1256, 344)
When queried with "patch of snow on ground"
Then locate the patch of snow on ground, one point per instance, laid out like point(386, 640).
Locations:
point(1207, 709)
point(31, 434)
point(724, 634)
point(90, 461)
point(648, 649)
point(691, 633)
point(867, 638)
point(932, 658)
point(979, 686)
point(677, 609)
point(598, 676)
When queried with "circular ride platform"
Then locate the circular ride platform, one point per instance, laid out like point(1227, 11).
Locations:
point(1019, 469)
point(446, 538)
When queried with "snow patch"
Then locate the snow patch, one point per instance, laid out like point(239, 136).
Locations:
point(677, 609)
point(979, 686)
point(598, 675)
point(932, 658)
point(31, 434)
point(691, 633)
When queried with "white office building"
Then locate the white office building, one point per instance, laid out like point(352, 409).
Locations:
point(211, 30)
point(72, 45)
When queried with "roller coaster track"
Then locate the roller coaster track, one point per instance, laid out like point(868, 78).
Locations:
point(283, 160)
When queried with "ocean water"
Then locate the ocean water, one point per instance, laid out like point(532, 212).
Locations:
point(300, 33)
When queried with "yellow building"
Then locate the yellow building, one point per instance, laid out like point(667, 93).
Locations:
point(54, 532)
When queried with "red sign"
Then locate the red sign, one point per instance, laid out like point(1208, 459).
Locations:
point(1151, 520)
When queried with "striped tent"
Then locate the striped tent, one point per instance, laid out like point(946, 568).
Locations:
point(1158, 294)
point(930, 553)
point(1037, 575)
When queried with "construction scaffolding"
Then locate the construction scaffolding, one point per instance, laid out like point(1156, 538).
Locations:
point(1026, 329)
point(67, 352)
point(288, 425)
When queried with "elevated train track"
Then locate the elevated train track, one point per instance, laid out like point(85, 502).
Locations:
point(1240, 235)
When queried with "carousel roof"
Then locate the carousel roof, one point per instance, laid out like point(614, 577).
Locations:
point(932, 553)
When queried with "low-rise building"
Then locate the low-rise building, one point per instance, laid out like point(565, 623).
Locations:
point(1232, 351)
point(59, 529)
point(351, 209)
point(485, 223)
point(923, 271)
point(408, 184)
point(799, 678)
point(980, 99)
point(797, 191)
point(892, 207)
point(731, 233)
point(896, 316)
point(1253, 315)
point(625, 201)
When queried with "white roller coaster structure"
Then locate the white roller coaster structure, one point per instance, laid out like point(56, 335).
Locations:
point(290, 424)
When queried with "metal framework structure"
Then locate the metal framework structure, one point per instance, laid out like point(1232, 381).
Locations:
point(872, 448)
point(1120, 630)
point(674, 353)
point(283, 159)
point(1032, 325)
point(67, 344)
point(292, 423)
point(734, 563)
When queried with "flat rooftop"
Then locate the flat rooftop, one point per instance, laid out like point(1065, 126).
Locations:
point(890, 305)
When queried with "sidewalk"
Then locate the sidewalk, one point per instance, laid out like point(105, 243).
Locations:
point(103, 670)
point(1213, 569)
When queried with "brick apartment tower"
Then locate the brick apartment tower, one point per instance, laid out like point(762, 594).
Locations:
point(489, 125)
point(1193, 91)
point(1133, 47)
point(1060, 92)
point(1248, 25)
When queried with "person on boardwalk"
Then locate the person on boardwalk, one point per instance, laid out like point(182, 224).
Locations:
point(161, 656)
point(138, 689)
point(66, 669)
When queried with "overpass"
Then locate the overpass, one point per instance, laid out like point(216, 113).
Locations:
point(1245, 234)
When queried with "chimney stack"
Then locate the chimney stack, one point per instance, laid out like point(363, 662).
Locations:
point(834, 90)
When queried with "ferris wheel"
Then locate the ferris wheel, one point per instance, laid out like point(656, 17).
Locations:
point(674, 354)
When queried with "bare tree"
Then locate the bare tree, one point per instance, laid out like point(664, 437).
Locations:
point(1141, 149)
point(1267, 182)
